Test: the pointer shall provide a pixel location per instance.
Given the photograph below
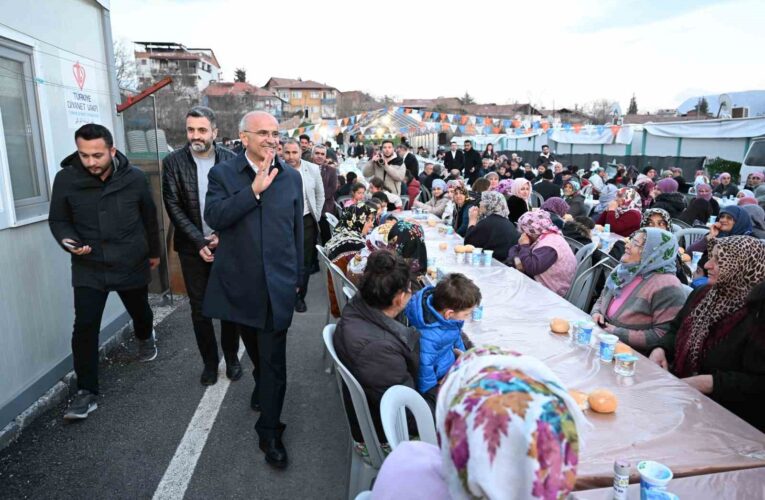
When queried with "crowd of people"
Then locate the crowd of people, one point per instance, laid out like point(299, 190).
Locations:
point(246, 226)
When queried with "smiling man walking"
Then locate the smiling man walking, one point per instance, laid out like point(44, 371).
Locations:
point(255, 203)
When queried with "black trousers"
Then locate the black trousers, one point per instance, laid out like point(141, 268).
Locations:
point(309, 248)
point(88, 310)
point(196, 272)
point(268, 351)
point(325, 230)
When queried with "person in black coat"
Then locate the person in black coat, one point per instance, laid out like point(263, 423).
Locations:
point(546, 157)
point(410, 161)
point(546, 188)
point(454, 158)
point(473, 162)
point(184, 186)
point(255, 203)
point(372, 342)
point(489, 227)
point(358, 150)
point(102, 212)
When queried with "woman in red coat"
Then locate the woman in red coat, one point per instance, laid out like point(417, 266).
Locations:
point(623, 214)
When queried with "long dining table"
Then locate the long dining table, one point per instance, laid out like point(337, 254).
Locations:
point(659, 417)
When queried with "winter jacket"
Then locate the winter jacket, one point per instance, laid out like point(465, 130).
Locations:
point(435, 206)
point(495, 233)
point(180, 190)
point(673, 203)
point(117, 218)
point(461, 217)
point(438, 336)
point(380, 352)
point(577, 206)
point(547, 189)
point(392, 174)
point(517, 207)
point(625, 225)
point(736, 361)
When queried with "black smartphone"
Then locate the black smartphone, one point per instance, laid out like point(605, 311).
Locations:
point(74, 245)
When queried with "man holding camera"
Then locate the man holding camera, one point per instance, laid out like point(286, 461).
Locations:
point(101, 212)
point(388, 167)
point(184, 183)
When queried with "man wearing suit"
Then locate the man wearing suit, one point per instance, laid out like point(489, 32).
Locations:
point(410, 161)
point(184, 185)
point(454, 158)
point(313, 201)
point(473, 162)
point(359, 149)
point(255, 203)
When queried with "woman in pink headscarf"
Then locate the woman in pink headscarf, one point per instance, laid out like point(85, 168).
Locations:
point(518, 203)
point(542, 253)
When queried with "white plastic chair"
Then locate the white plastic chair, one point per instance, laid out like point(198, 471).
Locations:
point(362, 474)
point(424, 195)
point(585, 252)
point(582, 289)
point(339, 281)
point(575, 245)
point(332, 220)
point(348, 292)
point(691, 235)
point(364, 495)
point(536, 199)
point(393, 406)
point(324, 268)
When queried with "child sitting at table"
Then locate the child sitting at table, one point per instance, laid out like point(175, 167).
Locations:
point(438, 313)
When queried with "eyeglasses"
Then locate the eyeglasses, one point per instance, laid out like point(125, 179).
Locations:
point(263, 134)
point(727, 217)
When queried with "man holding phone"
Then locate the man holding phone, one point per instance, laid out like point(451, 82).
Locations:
point(102, 213)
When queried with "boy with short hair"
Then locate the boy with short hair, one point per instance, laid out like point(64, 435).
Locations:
point(438, 313)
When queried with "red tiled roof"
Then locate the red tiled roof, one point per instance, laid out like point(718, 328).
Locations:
point(289, 83)
point(235, 88)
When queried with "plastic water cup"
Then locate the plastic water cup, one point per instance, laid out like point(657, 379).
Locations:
point(607, 347)
point(696, 257)
point(607, 228)
point(477, 256)
point(584, 336)
point(478, 313)
point(653, 477)
point(487, 256)
point(431, 261)
point(712, 219)
point(461, 257)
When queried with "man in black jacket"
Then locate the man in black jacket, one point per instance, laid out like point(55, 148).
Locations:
point(359, 149)
point(472, 162)
point(454, 158)
point(102, 213)
point(184, 186)
point(546, 187)
point(410, 161)
point(546, 157)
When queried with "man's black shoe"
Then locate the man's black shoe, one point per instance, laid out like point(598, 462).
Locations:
point(209, 376)
point(254, 400)
point(300, 305)
point(276, 454)
point(234, 371)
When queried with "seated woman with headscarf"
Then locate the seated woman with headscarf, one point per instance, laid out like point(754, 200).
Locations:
point(759, 193)
point(698, 212)
point(579, 229)
point(660, 219)
point(488, 226)
point(407, 240)
point(757, 214)
point(557, 208)
point(507, 429)
point(575, 200)
point(717, 341)
point(733, 221)
point(348, 240)
point(462, 203)
point(668, 198)
point(607, 195)
point(642, 294)
point(623, 214)
point(542, 253)
point(518, 203)
point(437, 203)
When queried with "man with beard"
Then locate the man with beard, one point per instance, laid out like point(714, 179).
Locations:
point(328, 170)
point(545, 157)
point(101, 212)
point(305, 146)
point(184, 186)
point(388, 167)
point(313, 202)
point(472, 159)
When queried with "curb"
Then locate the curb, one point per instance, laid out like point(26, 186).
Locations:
point(67, 386)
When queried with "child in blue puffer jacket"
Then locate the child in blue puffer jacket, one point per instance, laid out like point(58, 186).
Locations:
point(438, 313)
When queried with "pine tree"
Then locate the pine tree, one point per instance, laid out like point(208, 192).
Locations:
point(240, 75)
point(467, 99)
point(633, 109)
point(703, 107)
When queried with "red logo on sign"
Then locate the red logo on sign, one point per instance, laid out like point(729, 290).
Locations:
point(79, 74)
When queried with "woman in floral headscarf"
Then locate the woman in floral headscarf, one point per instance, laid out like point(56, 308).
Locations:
point(535, 456)
point(574, 198)
point(717, 341)
point(542, 253)
point(488, 226)
point(557, 208)
point(518, 203)
point(505, 187)
point(348, 240)
point(623, 214)
point(642, 294)
point(408, 241)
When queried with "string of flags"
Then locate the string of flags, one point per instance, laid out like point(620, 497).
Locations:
point(433, 121)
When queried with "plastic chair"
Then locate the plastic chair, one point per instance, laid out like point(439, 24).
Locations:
point(342, 199)
point(324, 264)
point(536, 199)
point(332, 220)
point(339, 207)
point(584, 252)
point(338, 282)
point(582, 290)
point(583, 262)
point(393, 406)
point(364, 495)
point(424, 195)
point(677, 223)
point(575, 245)
point(349, 293)
point(691, 235)
point(404, 202)
point(362, 474)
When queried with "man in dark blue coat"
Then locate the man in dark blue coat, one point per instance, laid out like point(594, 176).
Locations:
point(255, 203)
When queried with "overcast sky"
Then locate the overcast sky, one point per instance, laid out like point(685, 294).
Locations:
point(544, 52)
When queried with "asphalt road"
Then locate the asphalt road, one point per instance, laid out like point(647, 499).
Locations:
point(123, 449)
